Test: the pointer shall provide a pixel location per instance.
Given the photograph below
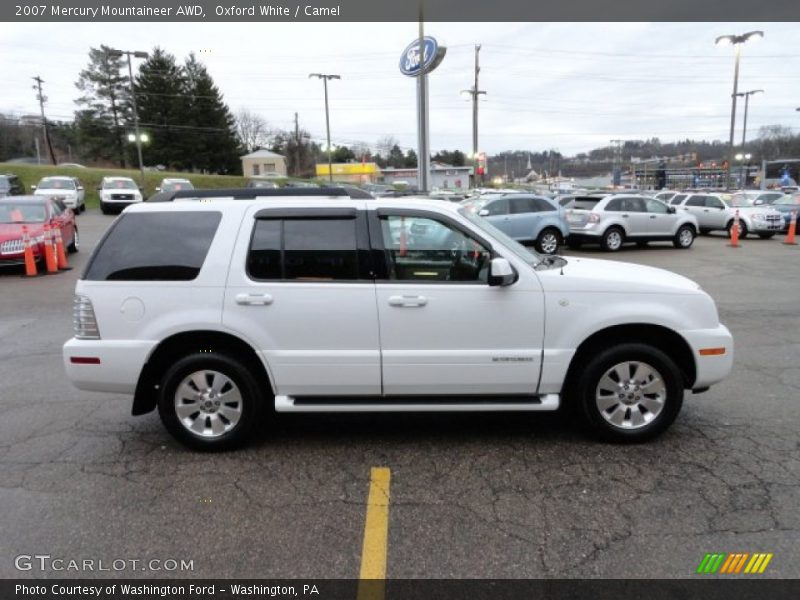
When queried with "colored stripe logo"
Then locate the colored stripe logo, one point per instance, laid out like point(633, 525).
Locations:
point(734, 563)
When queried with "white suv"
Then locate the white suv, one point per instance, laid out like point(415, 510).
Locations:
point(217, 310)
point(117, 193)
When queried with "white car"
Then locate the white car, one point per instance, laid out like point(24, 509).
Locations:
point(68, 189)
point(118, 192)
point(716, 212)
point(217, 311)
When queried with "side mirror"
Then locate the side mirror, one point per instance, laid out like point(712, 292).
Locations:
point(158, 189)
point(80, 188)
point(671, 210)
point(484, 212)
point(758, 202)
point(501, 273)
point(33, 188)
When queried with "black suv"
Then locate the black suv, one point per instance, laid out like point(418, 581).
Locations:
point(10, 185)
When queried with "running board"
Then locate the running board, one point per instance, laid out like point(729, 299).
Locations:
point(317, 404)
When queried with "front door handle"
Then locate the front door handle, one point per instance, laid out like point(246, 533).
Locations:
point(253, 299)
point(408, 301)
point(652, 216)
point(625, 216)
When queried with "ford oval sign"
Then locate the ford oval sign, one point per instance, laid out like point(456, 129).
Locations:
point(410, 63)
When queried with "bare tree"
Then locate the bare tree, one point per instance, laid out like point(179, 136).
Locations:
point(252, 130)
point(385, 144)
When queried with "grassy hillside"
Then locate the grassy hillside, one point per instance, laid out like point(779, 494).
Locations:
point(31, 174)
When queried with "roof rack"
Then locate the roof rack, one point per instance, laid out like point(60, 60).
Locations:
point(246, 193)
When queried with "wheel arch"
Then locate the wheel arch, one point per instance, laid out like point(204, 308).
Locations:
point(179, 344)
point(667, 340)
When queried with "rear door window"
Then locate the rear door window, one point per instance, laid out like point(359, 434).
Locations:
point(522, 205)
point(304, 249)
point(159, 246)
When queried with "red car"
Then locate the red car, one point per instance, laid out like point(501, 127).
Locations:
point(33, 212)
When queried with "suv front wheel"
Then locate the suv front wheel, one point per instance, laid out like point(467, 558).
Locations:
point(684, 237)
point(629, 393)
point(210, 401)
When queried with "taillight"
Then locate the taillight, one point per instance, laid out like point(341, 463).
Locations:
point(594, 218)
point(84, 322)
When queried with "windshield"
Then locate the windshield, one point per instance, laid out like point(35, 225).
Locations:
point(173, 186)
point(739, 201)
point(529, 256)
point(56, 183)
point(4, 185)
point(119, 184)
point(14, 212)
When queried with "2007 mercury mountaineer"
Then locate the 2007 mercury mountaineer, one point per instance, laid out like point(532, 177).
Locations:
point(215, 311)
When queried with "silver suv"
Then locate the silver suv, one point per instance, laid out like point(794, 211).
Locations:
point(716, 212)
point(613, 220)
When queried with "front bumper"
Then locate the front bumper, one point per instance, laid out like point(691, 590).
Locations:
point(118, 369)
point(711, 368)
point(757, 226)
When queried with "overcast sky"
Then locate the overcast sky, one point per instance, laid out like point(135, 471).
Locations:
point(570, 87)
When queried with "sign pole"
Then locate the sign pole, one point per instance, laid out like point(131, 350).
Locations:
point(423, 154)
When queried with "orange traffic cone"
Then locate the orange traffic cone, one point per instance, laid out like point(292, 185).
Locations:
point(735, 231)
point(61, 257)
point(49, 251)
point(30, 262)
point(792, 226)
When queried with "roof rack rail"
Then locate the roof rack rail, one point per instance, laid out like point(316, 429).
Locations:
point(246, 193)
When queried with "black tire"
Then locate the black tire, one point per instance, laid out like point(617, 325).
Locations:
point(574, 244)
point(250, 391)
point(104, 207)
point(766, 236)
point(588, 382)
point(610, 237)
point(742, 229)
point(547, 237)
point(684, 237)
point(75, 243)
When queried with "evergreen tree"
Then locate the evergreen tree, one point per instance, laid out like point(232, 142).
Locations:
point(215, 146)
point(160, 87)
point(105, 106)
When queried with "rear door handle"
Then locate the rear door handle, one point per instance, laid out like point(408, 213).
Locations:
point(652, 216)
point(625, 216)
point(254, 299)
point(408, 301)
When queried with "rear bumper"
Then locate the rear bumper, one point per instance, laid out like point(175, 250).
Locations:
point(711, 368)
point(105, 366)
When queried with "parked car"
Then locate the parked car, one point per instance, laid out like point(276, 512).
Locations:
point(762, 197)
point(33, 212)
point(314, 315)
point(171, 184)
point(786, 205)
point(665, 196)
point(716, 212)
point(10, 185)
point(69, 189)
point(524, 218)
point(261, 183)
point(611, 221)
point(118, 192)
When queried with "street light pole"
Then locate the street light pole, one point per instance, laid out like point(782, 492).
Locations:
point(736, 41)
point(138, 54)
point(325, 79)
point(744, 126)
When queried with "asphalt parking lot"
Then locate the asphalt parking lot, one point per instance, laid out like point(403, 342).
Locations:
point(472, 496)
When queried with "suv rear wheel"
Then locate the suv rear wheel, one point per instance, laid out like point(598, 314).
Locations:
point(612, 239)
point(210, 401)
point(629, 393)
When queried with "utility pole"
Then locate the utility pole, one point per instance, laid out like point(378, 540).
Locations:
point(42, 99)
point(475, 91)
point(744, 128)
point(296, 146)
point(117, 54)
point(617, 176)
point(325, 79)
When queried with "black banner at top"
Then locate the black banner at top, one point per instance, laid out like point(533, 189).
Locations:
point(397, 10)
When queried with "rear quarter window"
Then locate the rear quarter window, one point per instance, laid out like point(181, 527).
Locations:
point(161, 246)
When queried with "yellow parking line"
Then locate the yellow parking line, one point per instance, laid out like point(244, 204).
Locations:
point(376, 536)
